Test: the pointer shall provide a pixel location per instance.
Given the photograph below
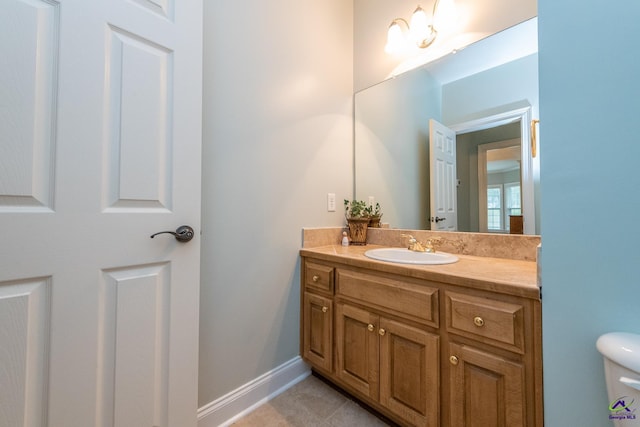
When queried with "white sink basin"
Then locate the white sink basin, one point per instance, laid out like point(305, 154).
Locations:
point(405, 256)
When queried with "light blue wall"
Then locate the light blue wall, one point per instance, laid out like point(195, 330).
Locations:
point(492, 91)
point(589, 92)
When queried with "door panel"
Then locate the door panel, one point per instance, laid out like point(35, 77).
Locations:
point(139, 141)
point(134, 332)
point(100, 125)
point(163, 8)
point(24, 345)
point(28, 73)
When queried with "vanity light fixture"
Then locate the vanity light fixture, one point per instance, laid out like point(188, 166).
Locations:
point(421, 33)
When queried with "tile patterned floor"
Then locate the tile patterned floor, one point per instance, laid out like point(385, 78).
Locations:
point(311, 403)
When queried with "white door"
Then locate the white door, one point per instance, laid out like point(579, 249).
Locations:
point(443, 176)
point(100, 136)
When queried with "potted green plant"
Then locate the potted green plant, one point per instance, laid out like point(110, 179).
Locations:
point(375, 214)
point(357, 214)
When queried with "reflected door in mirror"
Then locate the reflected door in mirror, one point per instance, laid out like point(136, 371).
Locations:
point(442, 164)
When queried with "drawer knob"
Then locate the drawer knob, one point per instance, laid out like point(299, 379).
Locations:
point(316, 278)
point(370, 327)
point(324, 309)
point(382, 332)
point(454, 360)
point(478, 321)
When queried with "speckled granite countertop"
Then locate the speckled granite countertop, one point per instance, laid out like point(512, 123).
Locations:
point(513, 277)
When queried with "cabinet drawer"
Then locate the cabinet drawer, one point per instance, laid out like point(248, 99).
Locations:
point(406, 299)
point(499, 323)
point(318, 277)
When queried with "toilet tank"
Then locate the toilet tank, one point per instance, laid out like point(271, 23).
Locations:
point(621, 352)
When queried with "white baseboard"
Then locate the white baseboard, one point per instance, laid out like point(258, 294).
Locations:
point(232, 406)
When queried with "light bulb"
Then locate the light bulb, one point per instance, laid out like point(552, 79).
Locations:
point(395, 39)
point(419, 26)
point(446, 15)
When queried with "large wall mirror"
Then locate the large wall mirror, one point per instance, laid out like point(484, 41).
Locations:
point(487, 94)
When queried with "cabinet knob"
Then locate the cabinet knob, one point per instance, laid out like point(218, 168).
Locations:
point(324, 309)
point(370, 327)
point(454, 360)
point(315, 278)
point(478, 321)
point(382, 332)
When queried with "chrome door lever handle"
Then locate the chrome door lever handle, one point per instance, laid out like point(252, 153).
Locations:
point(183, 234)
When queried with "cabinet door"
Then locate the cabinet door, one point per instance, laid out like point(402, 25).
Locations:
point(317, 324)
point(486, 390)
point(409, 373)
point(357, 349)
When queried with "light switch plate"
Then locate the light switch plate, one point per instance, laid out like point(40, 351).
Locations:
point(331, 202)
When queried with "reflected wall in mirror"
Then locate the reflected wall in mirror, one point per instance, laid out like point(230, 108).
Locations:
point(489, 178)
point(392, 128)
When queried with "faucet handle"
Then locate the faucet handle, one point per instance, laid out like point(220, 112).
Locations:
point(412, 240)
point(428, 246)
point(414, 245)
point(432, 242)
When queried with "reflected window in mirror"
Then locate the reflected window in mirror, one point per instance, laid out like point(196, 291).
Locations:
point(503, 202)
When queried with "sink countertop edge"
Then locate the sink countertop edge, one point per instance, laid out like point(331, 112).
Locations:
point(512, 277)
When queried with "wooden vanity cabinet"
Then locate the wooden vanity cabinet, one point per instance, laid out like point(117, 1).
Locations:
point(492, 360)
point(317, 316)
point(423, 353)
point(371, 335)
point(384, 347)
point(392, 363)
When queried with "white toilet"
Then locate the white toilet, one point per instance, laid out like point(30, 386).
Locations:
point(621, 353)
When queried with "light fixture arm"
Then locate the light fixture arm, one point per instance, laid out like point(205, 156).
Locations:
point(433, 13)
point(428, 41)
point(396, 20)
